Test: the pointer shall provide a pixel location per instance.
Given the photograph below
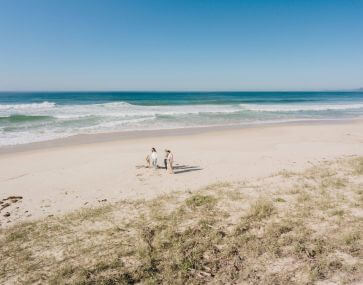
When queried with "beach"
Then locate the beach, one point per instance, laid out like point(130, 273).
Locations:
point(59, 176)
point(181, 142)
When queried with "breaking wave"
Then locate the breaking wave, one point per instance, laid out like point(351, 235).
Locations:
point(30, 122)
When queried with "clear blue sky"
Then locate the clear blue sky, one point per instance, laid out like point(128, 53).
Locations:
point(181, 45)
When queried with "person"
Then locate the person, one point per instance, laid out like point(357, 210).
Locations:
point(170, 161)
point(148, 161)
point(154, 158)
point(166, 159)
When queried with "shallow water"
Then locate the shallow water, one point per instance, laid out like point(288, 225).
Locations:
point(38, 116)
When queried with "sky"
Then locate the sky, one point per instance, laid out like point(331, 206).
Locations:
point(181, 45)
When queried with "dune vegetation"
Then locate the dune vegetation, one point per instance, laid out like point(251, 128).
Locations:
point(289, 228)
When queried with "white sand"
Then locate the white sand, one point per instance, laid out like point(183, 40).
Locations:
point(59, 179)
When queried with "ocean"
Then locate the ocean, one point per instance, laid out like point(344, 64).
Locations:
point(27, 117)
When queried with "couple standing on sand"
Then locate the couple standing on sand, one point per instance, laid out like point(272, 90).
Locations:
point(152, 159)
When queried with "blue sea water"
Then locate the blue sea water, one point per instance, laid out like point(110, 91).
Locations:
point(38, 116)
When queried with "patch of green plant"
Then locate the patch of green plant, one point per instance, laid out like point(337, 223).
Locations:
point(199, 200)
point(280, 200)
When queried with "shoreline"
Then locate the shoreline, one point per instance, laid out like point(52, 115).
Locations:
point(105, 137)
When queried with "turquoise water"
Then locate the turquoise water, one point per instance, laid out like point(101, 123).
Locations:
point(37, 116)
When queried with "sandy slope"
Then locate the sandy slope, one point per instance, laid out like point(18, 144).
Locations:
point(59, 179)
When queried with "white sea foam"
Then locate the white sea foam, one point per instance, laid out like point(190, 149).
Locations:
point(116, 109)
point(91, 118)
point(7, 139)
point(123, 109)
point(121, 116)
point(113, 125)
point(26, 107)
point(298, 108)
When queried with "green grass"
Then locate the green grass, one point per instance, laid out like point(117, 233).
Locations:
point(200, 201)
point(280, 200)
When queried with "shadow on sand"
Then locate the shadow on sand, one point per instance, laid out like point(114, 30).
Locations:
point(179, 169)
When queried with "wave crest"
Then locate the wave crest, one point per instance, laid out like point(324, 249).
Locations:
point(31, 106)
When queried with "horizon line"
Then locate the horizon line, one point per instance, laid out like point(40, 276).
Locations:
point(181, 91)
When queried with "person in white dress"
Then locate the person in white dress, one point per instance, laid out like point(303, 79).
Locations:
point(152, 159)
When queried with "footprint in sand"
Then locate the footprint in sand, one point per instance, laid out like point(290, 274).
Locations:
point(11, 211)
point(7, 202)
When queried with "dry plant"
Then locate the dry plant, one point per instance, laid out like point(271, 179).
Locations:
point(293, 228)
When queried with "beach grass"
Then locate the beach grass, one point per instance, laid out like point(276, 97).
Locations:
point(291, 228)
